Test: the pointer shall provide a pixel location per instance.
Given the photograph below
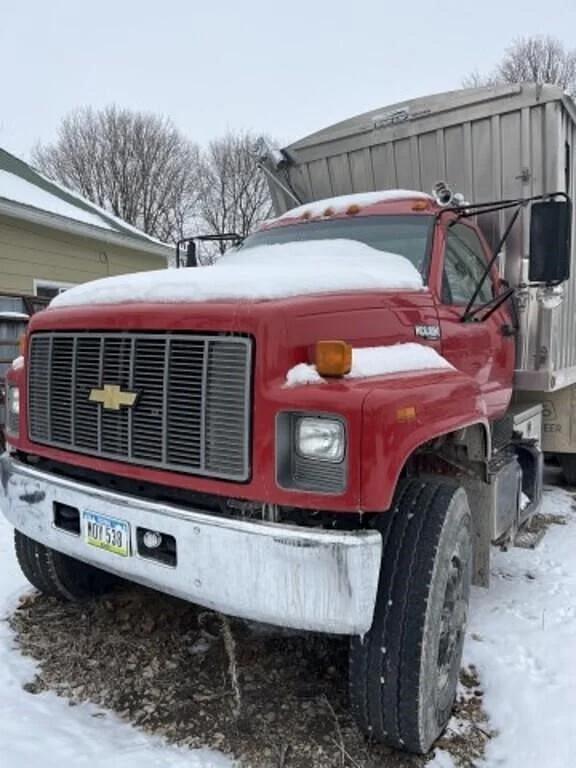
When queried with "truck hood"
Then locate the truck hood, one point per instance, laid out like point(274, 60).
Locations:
point(371, 319)
point(285, 329)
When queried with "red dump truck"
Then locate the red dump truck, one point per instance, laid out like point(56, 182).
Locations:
point(329, 428)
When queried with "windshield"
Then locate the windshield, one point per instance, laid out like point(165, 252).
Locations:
point(408, 236)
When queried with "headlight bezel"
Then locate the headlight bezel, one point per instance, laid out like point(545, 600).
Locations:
point(319, 422)
point(310, 475)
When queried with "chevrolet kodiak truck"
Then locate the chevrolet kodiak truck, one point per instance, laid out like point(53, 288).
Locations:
point(330, 428)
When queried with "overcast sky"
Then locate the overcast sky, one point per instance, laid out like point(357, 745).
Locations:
point(282, 68)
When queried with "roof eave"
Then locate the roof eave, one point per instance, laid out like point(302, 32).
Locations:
point(72, 227)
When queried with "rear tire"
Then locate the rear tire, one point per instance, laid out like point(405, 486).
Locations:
point(568, 464)
point(58, 575)
point(404, 671)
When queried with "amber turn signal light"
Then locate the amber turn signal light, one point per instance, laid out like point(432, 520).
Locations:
point(22, 341)
point(406, 414)
point(333, 358)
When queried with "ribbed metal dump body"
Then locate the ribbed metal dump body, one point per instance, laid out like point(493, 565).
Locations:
point(190, 413)
point(488, 143)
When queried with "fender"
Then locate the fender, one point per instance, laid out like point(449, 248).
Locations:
point(402, 413)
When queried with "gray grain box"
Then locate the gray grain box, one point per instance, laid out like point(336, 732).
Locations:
point(489, 144)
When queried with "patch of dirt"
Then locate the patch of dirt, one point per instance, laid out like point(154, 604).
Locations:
point(543, 522)
point(267, 697)
point(468, 731)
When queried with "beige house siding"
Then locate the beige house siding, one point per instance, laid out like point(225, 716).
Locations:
point(30, 252)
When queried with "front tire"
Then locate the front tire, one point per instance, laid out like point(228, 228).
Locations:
point(404, 671)
point(58, 575)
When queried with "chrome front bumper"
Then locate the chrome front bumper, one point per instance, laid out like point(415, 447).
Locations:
point(304, 578)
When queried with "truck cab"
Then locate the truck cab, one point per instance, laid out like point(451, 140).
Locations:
point(450, 253)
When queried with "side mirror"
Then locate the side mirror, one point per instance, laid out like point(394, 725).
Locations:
point(550, 241)
point(191, 260)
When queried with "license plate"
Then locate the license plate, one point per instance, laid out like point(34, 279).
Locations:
point(107, 533)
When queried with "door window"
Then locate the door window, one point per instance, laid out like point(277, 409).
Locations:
point(464, 265)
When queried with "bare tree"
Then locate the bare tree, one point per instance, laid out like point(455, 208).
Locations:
point(234, 195)
point(478, 80)
point(136, 165)
point(539, 59)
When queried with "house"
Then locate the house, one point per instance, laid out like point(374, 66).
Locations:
point(51, 238)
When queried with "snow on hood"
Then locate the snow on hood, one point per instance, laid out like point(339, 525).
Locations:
point(340, 203)
point(258, 273)
point(376, 361)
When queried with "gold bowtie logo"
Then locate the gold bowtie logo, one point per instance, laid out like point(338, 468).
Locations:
point(112, 397)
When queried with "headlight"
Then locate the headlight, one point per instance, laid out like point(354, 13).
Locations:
point(318, 438)
point(12, 410)
point(13, 401)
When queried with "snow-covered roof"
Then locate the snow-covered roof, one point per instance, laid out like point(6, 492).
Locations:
point(339, 204)
point(27, 194)
point(259, 273)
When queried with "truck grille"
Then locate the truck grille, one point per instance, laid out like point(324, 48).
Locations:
point(191, 412)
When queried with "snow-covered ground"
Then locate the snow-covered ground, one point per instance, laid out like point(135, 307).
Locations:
point(42, 731)
point(522, 639)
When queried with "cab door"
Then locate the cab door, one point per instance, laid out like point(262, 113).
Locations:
point(485, 350)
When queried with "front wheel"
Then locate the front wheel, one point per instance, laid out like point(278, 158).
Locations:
point(58, 575)
point(404, 671)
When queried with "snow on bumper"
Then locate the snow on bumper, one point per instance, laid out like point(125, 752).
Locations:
point(296, 577)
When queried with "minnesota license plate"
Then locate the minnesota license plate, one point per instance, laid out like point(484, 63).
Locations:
point(107, 533)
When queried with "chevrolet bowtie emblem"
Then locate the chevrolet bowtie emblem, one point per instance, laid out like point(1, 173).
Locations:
point(112, 397)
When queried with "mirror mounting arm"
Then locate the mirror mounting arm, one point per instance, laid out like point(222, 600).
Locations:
point(470, 210)
point(493, 305)
point(468, 313)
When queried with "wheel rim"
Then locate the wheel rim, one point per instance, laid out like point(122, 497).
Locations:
point(452, 622)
